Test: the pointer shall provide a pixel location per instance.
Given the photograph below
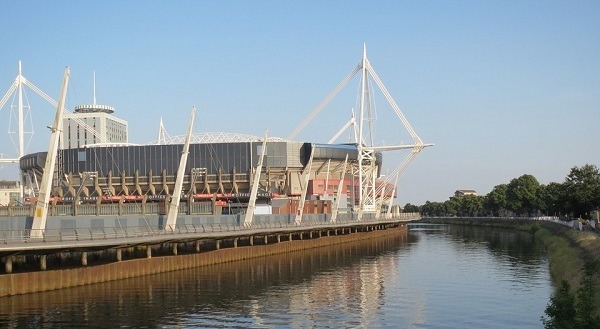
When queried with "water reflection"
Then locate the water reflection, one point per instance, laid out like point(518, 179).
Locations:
point(338, 285)
point(455, 277)
point(480, 277)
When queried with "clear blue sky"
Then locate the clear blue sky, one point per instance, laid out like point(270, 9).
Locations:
point(503, 88)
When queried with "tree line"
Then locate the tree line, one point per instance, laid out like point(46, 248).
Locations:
point(577, 196)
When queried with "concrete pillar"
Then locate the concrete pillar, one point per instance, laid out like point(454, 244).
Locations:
point(310, 234)
point(175, 248)
point(218, 244)
point(327, 232)
point(301, 234)
point(148, 251)
point(119, 255)
point(291, 237)
point(8, 265)
point(235, 242)
point(251, 240)
point(278, 238)
point(84, 258)
point(319, 233)
point(335, 231)
point(43, 262)
point(266, 239)
point(197, 246)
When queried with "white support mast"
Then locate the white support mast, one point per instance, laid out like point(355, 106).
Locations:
point(380, 200)
point(20, 120)
point(366, 167)
point(21, 129)
point(336, 205)
point(351, 122)
point(255, 182)
point(38, 227)
point(163, 136)
point(175, 199)
point(366, 156)
point(17, 86)
point(306, 173)
point(391, 201)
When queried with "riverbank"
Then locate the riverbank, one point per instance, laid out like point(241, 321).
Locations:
point(37, 281)
point(568, 249)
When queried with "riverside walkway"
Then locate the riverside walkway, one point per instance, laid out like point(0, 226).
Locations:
point(15, 243)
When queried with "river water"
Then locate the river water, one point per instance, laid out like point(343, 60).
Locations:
point(428, 277)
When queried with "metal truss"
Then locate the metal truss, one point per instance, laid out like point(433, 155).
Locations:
point(366, 168)
point(213, 138)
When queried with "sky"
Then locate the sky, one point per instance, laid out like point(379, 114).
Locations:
point(502, 88)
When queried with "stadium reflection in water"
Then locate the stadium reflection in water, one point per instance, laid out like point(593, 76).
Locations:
point(427, 278)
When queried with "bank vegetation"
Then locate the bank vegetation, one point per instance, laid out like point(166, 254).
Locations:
point(578, 196)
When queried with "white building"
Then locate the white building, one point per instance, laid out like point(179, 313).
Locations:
point(109, 128)
point(9, 191)
point(459, 193)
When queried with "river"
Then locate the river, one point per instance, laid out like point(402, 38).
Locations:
point(429, 277)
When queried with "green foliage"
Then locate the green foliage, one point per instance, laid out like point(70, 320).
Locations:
point(561, 309)
point(434, 209)
point(583, 189)
point(567, 310)
point(522, 195)
point(525, 196)
point(553, 198)
point(495, 202)
point(411, 208)
point(586, 304)
point(469, 205)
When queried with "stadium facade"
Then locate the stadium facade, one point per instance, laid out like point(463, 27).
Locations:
point(219, 169)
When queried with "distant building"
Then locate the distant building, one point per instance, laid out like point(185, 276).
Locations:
point(9, 191)
point(99, 117)
point(460, 193)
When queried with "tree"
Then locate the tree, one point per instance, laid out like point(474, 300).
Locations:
point(553, 199)
point(522, 195)
point(468, 205)
point(411, 208)
point(451, 207)
point(495, 202)
point(561, 309)
point(433, 209)
point(582, 187)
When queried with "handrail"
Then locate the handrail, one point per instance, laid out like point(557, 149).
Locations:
point(23, 236)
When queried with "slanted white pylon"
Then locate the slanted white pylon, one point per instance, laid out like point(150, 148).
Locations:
point(176, 198)
point(38, 227)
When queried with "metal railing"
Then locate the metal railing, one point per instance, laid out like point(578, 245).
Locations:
point(106, 209)
point(90, 234)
